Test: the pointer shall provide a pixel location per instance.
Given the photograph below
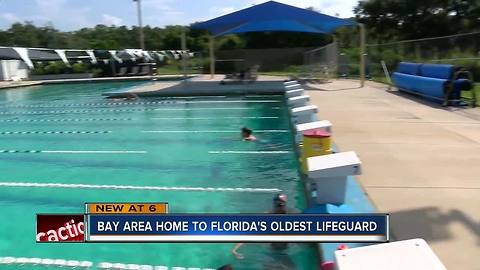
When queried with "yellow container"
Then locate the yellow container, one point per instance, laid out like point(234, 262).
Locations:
point(316, 142)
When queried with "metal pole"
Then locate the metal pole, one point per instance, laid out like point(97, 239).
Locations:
point(112, 65)
point(184, 54)
point(212, 57)
point(387, 74)
point(140, 26)
point(362, 54)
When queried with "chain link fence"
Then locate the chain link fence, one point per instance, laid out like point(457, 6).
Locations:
point(195, 63)
point(272, 61)
point(322, 63)
point(339, 60)
point(317, 64)
point(459, 50)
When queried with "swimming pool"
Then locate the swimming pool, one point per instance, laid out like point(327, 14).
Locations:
point(186, 151)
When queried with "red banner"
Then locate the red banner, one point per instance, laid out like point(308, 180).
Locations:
point(60, 228)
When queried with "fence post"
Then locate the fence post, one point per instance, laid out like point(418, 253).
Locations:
point(212, 57)
point(184, 54)
point(387, 74)
point(362, 54)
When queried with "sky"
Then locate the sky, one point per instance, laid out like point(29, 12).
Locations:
point(69, 15)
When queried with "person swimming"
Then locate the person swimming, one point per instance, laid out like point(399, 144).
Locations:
point(123, 97)
point(279, 207)
point(247, 134)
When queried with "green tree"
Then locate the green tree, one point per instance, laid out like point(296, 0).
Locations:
point(412, 19)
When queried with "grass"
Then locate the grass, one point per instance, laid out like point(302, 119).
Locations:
point(477, 93)
point(275, 73)
point(168, 70)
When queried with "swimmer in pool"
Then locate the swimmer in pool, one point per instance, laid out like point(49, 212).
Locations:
point(247, 134)
point(279, 207)
point(124, 97)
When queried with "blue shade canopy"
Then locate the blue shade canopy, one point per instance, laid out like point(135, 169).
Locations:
point(273, 16)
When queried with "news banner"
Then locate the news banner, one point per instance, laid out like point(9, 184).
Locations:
point(151, 222)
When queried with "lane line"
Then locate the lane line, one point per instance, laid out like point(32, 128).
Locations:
point(211, 118)
point(249, 152)
point(213, 131)
point(159, 188)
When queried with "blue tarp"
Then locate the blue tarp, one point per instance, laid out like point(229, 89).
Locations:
point(273, 16)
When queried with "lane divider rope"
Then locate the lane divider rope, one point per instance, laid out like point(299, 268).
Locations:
point(137, 103)
point(88, 104)
point(211, 118)
point(213, 131)
point(249, 152)
point(52, 132)
point(125, 110)
point(67, 120)
point(76, 111)
point(72, 264)
point(75, 151)
point(46, 262)
point(122, 187)
point(206, 109)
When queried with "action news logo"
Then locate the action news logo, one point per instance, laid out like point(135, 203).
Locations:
point(60, 228)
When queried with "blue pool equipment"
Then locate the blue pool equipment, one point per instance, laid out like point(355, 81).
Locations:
point(439, 83)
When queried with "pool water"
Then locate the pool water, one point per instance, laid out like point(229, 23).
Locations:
point(168, 142)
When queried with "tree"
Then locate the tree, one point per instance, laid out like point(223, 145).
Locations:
point(412, 19)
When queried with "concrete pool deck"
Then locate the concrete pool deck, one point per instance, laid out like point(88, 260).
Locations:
point(420, 163)
point(206, 85)
point(13, 84)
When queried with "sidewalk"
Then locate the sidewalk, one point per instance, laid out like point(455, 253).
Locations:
point(421, 163)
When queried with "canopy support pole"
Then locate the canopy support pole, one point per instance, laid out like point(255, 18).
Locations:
point(63, 56)
point(23, 53)
point(362, 54)
point(212, 57)
point(184, 54)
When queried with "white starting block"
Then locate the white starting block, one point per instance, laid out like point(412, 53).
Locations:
point(330, 173)
point(412, 254)
point(290, 82)
point(293, 86)
point(304, 114)
point(294, 93)
point(298, 101)
point(300, 128)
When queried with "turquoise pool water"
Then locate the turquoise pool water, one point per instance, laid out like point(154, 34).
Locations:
point(169, 142)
